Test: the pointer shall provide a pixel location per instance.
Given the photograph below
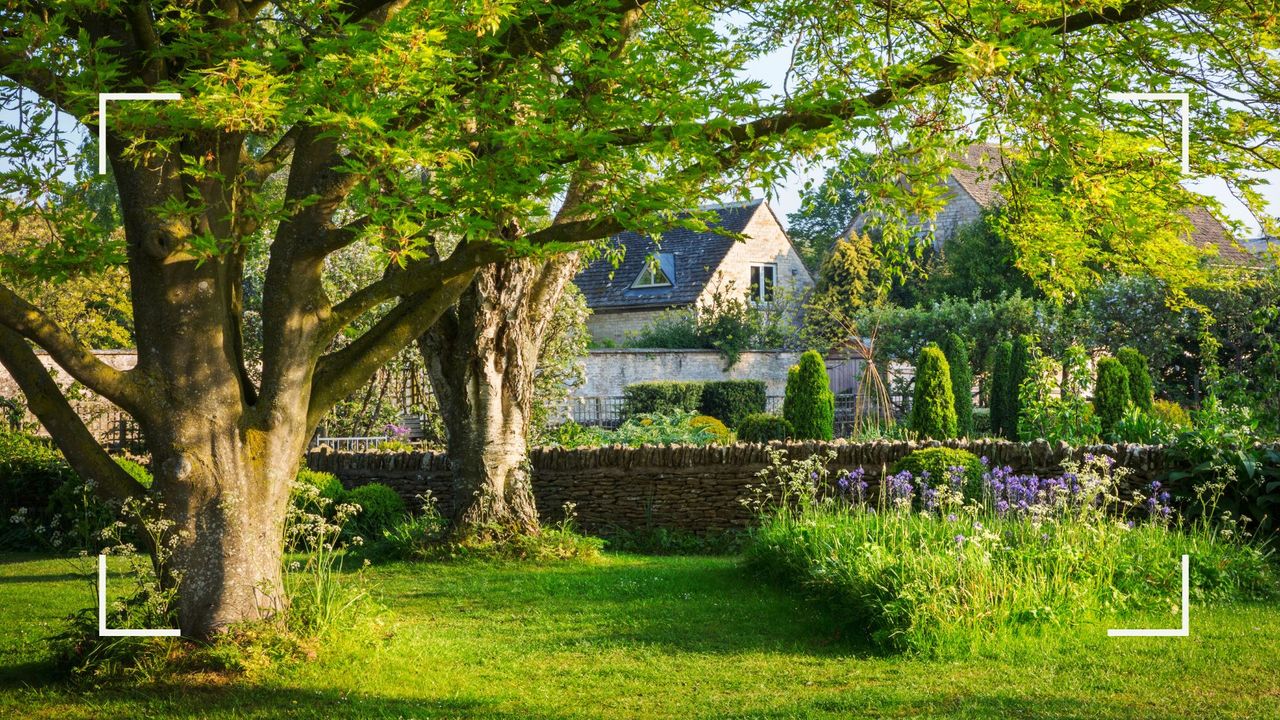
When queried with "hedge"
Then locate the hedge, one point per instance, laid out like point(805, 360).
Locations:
point(763, 427)
point(661, 397)
point(732, 400)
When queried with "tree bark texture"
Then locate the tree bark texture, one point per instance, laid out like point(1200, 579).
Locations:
point(482, 357)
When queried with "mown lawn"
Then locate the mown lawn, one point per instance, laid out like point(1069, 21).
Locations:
point(640, 637)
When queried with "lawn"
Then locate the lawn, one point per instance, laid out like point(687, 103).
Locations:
point(637, 637)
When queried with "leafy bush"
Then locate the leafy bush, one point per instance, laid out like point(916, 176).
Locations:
point(1222, 454)
point(722, 434)
point(136, 470)
point(45, 504)
point(1053, 410)
point(937, 462)
point(809, 405)
point(1001, 390)
point(1110, 393)
point(763, 427)
point(1136, 426)
point(380, 509)
point(982, 422)
point(1171, 413)
point(947, 578)
point(328, 484)
point(676, 428)
point(1140, 389)
point(661, 397)
point(957, 352)
point(933, 407)
point(732, 400)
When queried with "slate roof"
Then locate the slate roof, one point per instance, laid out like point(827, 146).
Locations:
point(982, 172)
point(696, 255)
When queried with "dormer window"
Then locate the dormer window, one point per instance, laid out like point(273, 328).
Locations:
point(659, 272)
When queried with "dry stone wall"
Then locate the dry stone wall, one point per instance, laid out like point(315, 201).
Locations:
point(696, 489)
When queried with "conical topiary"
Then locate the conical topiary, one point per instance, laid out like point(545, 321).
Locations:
point(1140, 390)
point(933, 407)
point(809, 405)
point(1110, 393)
point(957, 352)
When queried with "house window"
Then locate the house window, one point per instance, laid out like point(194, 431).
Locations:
point(659, 271)
point(763, 278)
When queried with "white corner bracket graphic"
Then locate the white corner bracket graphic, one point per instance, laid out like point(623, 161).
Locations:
point(103, 630)
point(1183, 98)
point(102, 118)
point(1183, 631)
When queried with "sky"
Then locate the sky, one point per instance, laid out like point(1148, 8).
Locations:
point(785, 197)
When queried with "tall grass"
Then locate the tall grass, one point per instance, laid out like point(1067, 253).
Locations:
point(921, 567)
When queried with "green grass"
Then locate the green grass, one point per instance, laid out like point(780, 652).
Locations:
point(640, 637)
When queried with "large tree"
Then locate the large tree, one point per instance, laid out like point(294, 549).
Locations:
point(457, 135)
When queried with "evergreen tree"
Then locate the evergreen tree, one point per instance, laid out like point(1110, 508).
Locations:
point(1140, 390)
point(809, 405)
point(1110, 393)
point(1000, 419)
point(957, 352)
point(933, 407)
point(1019, 365)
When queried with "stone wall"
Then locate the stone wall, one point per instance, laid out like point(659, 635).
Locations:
point(607, 372)
point(697, 489)
point(616, 326)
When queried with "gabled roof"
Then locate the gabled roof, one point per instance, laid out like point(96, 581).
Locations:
point(979, 172)
point(695, 256)
point(982, 171)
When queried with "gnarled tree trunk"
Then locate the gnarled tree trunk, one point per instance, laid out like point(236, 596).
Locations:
point(482, 356)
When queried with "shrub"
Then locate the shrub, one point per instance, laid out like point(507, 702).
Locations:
point(938, 463)
point(1019, 369)
point(1172, 413)
point(809, 405)
point(1140, 389)
point(52, 505)
point(1110, 393)
point(722, 434)
point(981, 421)
point(1136, 426)
point(933, 407)
point(1001, 390)
point(380, 509)
point(763, 427)
point(327, 483)
point(957, 352)
point(732, 400)
point(660, 397)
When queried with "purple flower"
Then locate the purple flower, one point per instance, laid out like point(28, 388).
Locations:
point(951, 517)
point(959, 539)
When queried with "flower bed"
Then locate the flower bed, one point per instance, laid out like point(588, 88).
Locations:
point(923, 567)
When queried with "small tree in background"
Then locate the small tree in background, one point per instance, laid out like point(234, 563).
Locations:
point(1110, 393)
point(809, 405)
point(1140, 389)
point(957, 352)
point(1001, 389)
point(933, 407)
point(1019, 367)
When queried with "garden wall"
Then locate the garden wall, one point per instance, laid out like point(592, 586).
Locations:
point(697, 489)
point(607, 372)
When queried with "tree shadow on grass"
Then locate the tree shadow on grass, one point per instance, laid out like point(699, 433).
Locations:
point(696, 606)
point(243, 701)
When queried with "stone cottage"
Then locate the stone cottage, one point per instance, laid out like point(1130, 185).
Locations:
point(685, 268)
point(972, 188)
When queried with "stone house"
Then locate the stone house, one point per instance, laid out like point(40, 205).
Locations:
point(972, 188)
point(687, 268)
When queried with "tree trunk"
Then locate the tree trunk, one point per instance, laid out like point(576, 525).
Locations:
point(481, 357)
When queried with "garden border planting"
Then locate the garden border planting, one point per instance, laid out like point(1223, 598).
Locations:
point(696, 489)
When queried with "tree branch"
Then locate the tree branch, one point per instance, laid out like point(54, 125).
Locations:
point(30, 322)
point(339, 372)
point(46, 400)
point(940, 68)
